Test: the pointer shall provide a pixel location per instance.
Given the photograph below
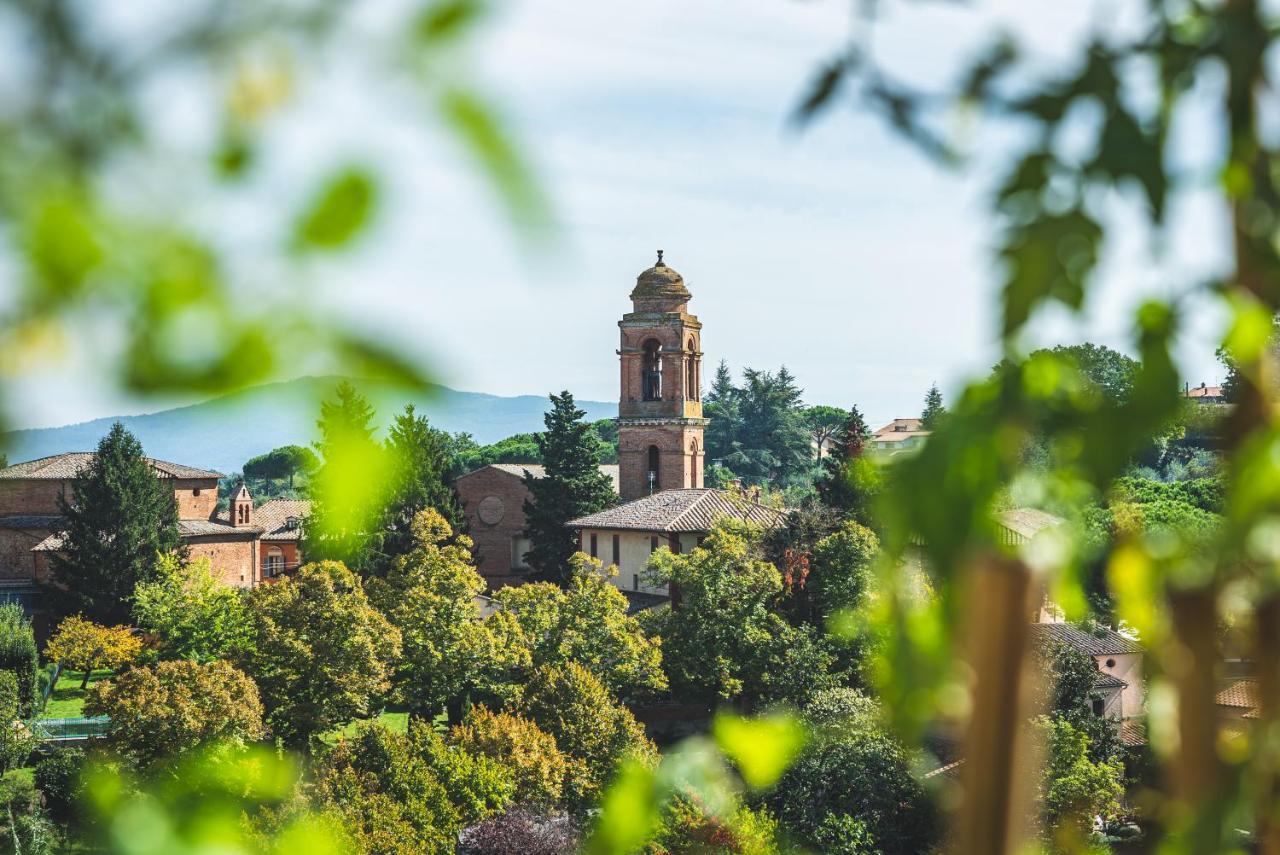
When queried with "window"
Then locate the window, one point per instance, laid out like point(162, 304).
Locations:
point(273, 564)
point(1111, 663)
point(651, 371)
point(1099, 707)
point(617, 550)
point(635, 581)
point(691, 390)
point(653, 544)
point(594, 548)
point(675, 544)
point(654, 456)
point(196, 491)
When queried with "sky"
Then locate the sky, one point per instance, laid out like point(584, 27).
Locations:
point(837, 250)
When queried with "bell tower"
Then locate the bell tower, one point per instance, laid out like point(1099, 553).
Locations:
point(660, 419)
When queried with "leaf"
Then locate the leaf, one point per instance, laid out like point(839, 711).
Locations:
point(341, 209)
point(481, 133)
point(763, 748)
point(629, 812)
point(1048, 258)
point(824, 87)
point(447, 19)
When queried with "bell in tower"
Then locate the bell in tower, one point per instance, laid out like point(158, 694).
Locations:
point(660, 421)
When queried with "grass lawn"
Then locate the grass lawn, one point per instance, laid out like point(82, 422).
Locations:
point(67, 700)
point(397, 721)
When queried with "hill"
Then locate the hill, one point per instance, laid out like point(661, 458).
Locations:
point(224, 432)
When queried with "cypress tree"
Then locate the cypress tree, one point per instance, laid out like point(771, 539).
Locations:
point(933, 409)
point(119, 518)
point(574, 486)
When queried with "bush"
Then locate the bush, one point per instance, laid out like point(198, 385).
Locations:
point(519, 745)
point(520, 830)
point(16, 740)
point(18, 653)
point(57, 776)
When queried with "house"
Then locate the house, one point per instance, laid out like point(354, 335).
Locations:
point(1238, 700)
point(243, 545)
point(625, 536)
point(493, 500)
point(1204, 394)
point(1119, 660)
point(900, 436)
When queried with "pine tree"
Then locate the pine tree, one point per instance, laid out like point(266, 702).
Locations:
point(421, 456)
point(349, 490)
point(721, 407)
point(933, 409)
point(119, 518)
point(846, 485)
point(574, 486)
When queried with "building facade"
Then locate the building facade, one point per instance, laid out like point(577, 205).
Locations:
point(244, 545)
point(660, 423)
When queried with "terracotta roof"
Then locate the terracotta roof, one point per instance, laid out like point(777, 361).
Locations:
point(1205, 392)
point(274, 515)
point(1133, 732)
point(61, 467)
point(1241, 693)
point(1101, 642)
point(1027, 522)
point(537, 470)
point(679, 511)
point(186, 528)
point(950, 770)
point(900, 429)
point(30, 521)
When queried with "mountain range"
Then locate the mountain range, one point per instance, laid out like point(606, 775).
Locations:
point(222, 433)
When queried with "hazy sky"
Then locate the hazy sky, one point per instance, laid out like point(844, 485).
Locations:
point(838, 250)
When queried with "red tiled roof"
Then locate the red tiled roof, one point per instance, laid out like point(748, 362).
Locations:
point(1241, 693)
point(61, 467)
point(1103, 641)
point(689, 510)
point(274, 516)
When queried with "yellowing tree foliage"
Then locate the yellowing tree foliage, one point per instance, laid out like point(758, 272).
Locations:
point(83, 645)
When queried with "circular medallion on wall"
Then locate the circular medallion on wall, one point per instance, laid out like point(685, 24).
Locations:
point(491, 510)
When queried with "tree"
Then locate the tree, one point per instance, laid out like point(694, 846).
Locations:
point(118, 517)
point(18, 653)
point(852, 789)
point(728, 640)
point(1074, 789)
point(285, 462)
point(849, 483)
point(1109, 371)
point(573, 487)
point(825, 424)
point(772, 443)
point(59, 778)
point(406, 794)
point(1068, 692)
point(537, 766)
point(321, 654)
point(720, 406)
point(420, 458)
point(586, 622)
point(16, 739)
point(161, 712)
point(933, 409)
point(349, 490)
point(521, 830)
point(83, 645)
point(430, 597)
point(593, 730)
point(195, 615)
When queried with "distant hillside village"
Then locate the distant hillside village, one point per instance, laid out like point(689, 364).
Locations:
point(713, 538)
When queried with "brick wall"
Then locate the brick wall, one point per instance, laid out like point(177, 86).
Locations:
point(235, 562)
point(31, 496)
point(494, 553)
point(679, 465)
point(17, 561)
point(196, 497)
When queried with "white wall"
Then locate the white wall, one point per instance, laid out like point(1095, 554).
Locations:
point(634, 549)
point(1128, 667)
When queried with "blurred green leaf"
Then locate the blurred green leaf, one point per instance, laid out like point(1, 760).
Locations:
point(339, 212)
point(1047, 258)
point(482, 135)
point(762, 747)
point(628, 814)
point(61, 245)
point(447, 19)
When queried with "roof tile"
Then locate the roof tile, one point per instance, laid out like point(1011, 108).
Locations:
point(679, 511)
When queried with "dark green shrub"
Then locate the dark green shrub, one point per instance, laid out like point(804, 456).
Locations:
point(18, 653)
point(57, 776)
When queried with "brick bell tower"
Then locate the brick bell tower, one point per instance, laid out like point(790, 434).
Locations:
point(660, 419)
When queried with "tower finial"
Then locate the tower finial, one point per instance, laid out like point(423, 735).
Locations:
point(660, 264)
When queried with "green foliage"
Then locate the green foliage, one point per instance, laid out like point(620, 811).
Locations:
point(24, 825)
point(574, 486)
point(728, 640)
point(195, 615)
point(853, 789)
point(406, 793)
point(585, 623)
point(537, 766)
point(58, 777)
point(772, 443)
point(122, 516)
point(18, 654)
point(521, 448)
point(825, 425)
point(595, 732)
point(283, 463)
point(429, 596)
point(933, 410)
point(161, 712)
point(684, 826)
point(321, 654)
point(1073, 789)
point(340, 210)
point(421, 460)
point(350, 489)
point(16, 739)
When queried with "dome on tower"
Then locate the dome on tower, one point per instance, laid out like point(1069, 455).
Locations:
point(660, 282)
